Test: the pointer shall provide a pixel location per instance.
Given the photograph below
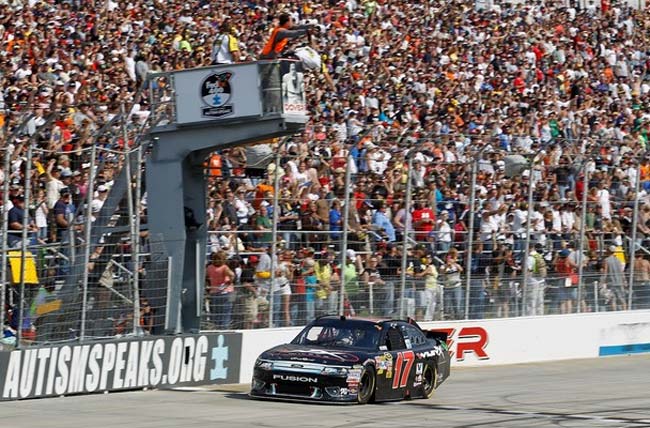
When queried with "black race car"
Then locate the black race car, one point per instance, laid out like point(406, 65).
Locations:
point(342, 359)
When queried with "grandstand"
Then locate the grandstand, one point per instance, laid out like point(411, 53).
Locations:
point(458, 163)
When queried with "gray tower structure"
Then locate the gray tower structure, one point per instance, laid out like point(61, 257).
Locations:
point(196, 112)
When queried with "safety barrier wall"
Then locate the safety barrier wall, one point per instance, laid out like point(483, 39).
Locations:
point(136, 363)
point(507, 341)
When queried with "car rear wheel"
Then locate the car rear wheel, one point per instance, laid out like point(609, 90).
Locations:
point(429, 381)
point(366, 386)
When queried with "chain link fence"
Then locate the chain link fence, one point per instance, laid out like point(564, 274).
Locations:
point(292, 237)
point(76, 258)
point(489, 235)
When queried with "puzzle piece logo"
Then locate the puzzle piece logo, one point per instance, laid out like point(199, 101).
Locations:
point(216, 94)
point(219, 358)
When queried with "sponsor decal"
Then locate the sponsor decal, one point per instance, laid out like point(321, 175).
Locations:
point(435, 352)
point(106, 366)
point(352, 380)
point(467, 340)
point(216, 93)
point(417, 381)
point(383, 363)
point(345, 391)
point(293, 378)
point(419, 368)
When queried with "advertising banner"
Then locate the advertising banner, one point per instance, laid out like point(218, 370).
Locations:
point(144, 362)
point(293, 92)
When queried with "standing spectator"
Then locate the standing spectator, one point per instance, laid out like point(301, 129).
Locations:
point(537, 271)
point(381, 223)
point(641, 281)
point(383, 290)
point(432, 290)
point(225, 48)
point(63, 214)
point(480, 268)
point(220, 289)
point(324, 272)
point(565, 278)
point(54, 184)
point(350, 279)
point(615, 279)
point(16, 217)
point(248, 291)
point(284, 274)
point(41, 213)
point(423, 221)
point(443, 234)
point(453, 292)
point(335, 222)
point(275, 46)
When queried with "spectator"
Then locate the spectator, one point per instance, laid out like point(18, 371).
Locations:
point(16, 218)
point(537, 271)
point(453, 292)
point(225, 48)
point(219, 283)
point(615, 279)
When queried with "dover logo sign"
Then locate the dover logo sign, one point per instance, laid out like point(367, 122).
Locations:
point(117, 365)
point(216, 93)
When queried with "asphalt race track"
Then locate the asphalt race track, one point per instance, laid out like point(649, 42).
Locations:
point(606, 392)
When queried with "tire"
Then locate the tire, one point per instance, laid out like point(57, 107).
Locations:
point(429, 377)
point(367, 383)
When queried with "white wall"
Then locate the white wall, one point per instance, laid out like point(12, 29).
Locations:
point(507, 341)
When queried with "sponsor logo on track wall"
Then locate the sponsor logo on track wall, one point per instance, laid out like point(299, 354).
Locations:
point(117, 365)
point(466, 340)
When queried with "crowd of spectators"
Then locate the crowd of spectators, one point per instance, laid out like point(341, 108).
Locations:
point(567, 88)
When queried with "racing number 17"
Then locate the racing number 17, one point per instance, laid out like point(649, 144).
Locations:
point(404, 359)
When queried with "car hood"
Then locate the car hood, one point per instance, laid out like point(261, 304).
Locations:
point(314, 354)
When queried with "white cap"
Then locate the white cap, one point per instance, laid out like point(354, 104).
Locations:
point(351, 254)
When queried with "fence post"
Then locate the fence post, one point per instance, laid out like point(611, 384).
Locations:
point(344, 242)
point(635, 224)
point(133, 233)
point(23, 244)
point(169, 292)
point(405, 239)
point(135, 240)
point(88, 244)
point(274, 231)
point(524, 261)
point(581, 253)
point(470, 234)
point(5, 220)
point(199, 283)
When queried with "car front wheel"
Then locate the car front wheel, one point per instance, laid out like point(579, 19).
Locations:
point(366, 386)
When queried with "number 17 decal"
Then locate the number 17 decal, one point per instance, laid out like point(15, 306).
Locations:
point(404, 359)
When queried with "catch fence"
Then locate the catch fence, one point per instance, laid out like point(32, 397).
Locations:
point(454, 242)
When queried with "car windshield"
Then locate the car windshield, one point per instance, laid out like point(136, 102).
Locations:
point(340, 336)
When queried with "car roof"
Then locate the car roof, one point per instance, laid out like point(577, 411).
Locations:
point(336, 320)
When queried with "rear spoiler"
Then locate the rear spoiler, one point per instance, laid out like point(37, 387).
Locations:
point(437, 334)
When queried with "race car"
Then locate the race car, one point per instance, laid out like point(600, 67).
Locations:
point(353, 360)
